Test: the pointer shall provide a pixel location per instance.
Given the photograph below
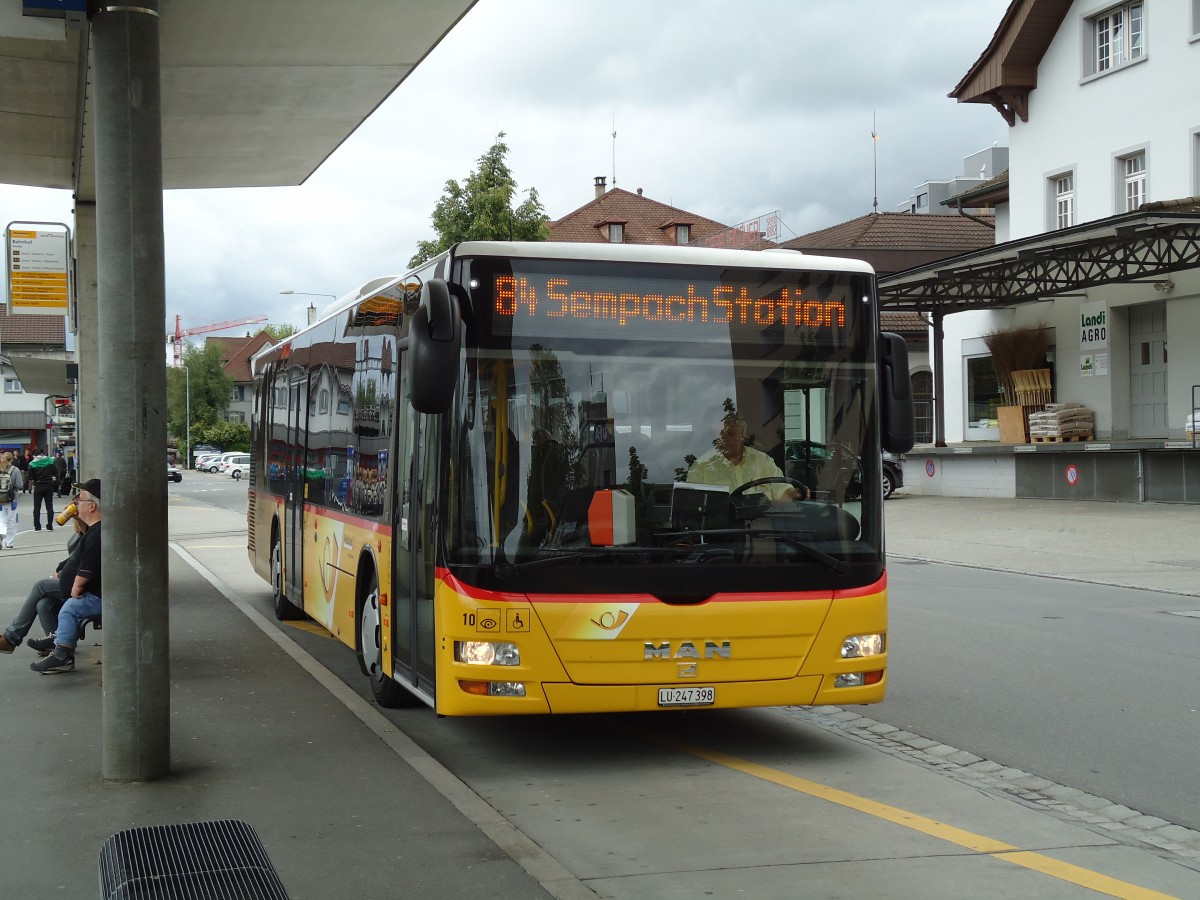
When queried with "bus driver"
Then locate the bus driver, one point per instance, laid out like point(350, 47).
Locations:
point(732, 463)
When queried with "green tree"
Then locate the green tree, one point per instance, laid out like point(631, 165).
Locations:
point(480, 209)
point(279, 332)
point(204, 390)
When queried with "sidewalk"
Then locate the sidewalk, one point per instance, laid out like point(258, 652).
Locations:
point(261, 733)
point(1142, 545)
point(253, 737)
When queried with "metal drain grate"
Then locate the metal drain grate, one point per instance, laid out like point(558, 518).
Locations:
point(222, 860)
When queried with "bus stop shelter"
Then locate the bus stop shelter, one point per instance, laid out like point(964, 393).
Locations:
point(117, 103)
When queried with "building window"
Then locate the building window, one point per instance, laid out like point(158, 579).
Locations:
point(682, 234)
point(237, 393)
point(1064, 200)
point(1133, 177)
point(12, 386)
point(323, 402)
point(235, 417)
point(922, 202)
point(616, 233)
point(1118, 37)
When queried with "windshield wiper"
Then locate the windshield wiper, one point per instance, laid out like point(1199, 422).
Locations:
point(507, 570)
point(695, 554)
point(839, 566)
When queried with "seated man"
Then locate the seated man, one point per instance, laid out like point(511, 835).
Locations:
point(85, 592)
point(46, 596)
point(732, 463)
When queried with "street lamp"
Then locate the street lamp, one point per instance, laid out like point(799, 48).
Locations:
point(312, 309)
point(187, 417)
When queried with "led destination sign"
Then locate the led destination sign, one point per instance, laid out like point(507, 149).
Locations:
point(644, 304)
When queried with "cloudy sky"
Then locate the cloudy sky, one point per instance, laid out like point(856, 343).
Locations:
point(729, 110)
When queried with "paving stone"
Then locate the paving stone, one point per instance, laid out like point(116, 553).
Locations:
point(963, 758)
point(882, 728)
point(985, 767)
point(1147, 822)
point(1118, 813)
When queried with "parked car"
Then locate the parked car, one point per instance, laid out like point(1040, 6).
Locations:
point(805, 461)
point(893, 473)
point(201, 462)
point(239, 467)
point(215, 464)
point(173, 473)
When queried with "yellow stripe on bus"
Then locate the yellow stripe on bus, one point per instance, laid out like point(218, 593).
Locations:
point(979, 843)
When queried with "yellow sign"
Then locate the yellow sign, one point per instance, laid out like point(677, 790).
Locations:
point(38, 271)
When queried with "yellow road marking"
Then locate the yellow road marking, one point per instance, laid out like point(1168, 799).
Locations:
point(1007, 852)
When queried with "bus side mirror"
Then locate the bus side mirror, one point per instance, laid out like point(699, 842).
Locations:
point(434, 339)
point(895, 395)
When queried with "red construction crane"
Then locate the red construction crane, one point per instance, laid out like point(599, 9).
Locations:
point(181, 333)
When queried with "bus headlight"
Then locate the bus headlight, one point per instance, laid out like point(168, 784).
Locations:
point(487, 653)
point(860, 645)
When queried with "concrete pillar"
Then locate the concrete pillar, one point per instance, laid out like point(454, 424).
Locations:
point(133, 390)
point(939, 378)
point(87, 348)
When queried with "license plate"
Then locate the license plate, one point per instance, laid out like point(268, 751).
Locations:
point(687, 696)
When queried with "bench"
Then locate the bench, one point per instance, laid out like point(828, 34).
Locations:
point(96, 621)
point(222, 859)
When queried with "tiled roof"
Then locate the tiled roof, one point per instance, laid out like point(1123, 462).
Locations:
point(900, 231)
point(903, 323)
point(31, 329)
point(236, 353)
point(646, 221)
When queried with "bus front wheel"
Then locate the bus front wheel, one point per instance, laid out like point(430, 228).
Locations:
point(387, 692)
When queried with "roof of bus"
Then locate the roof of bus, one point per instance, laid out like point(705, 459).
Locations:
point(657, 253)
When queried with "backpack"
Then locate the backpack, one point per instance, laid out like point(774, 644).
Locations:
point(6, 485)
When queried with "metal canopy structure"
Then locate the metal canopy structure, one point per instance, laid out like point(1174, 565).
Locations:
point(1127, 248)
point(254, 92)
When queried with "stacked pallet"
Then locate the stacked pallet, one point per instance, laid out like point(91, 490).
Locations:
point(1061, 422)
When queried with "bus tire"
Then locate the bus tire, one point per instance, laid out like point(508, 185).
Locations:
point(384, 689)
point(284, 608)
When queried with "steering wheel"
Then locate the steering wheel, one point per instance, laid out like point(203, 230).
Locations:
point(800, 486)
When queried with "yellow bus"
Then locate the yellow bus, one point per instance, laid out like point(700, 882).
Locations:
point(555, 478)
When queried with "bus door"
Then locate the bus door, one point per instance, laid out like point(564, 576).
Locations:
point(294, 480)
point(415, 545)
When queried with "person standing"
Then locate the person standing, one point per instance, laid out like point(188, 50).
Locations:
point(85, 591)
point(42, 474)
point(61, 486)
point(21, 461)
point(26, 459)
point(10, 484)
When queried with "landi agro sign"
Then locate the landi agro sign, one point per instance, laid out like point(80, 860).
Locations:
point(38, 264)
point(1093, 338)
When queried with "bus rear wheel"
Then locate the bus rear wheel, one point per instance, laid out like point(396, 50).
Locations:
point(284, 608)
point(387, 693)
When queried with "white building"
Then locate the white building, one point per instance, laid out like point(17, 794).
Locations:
point(1102, 223)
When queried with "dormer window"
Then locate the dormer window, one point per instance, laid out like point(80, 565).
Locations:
point(679, 233)
point(616, 232)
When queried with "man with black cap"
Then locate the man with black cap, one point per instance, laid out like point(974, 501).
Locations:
point(85, 592)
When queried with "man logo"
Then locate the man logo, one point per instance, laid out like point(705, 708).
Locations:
point(687, 650)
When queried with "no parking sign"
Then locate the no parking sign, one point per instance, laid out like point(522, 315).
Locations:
point(1072, 475)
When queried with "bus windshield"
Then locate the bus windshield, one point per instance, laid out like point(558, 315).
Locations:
point(617, 416)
